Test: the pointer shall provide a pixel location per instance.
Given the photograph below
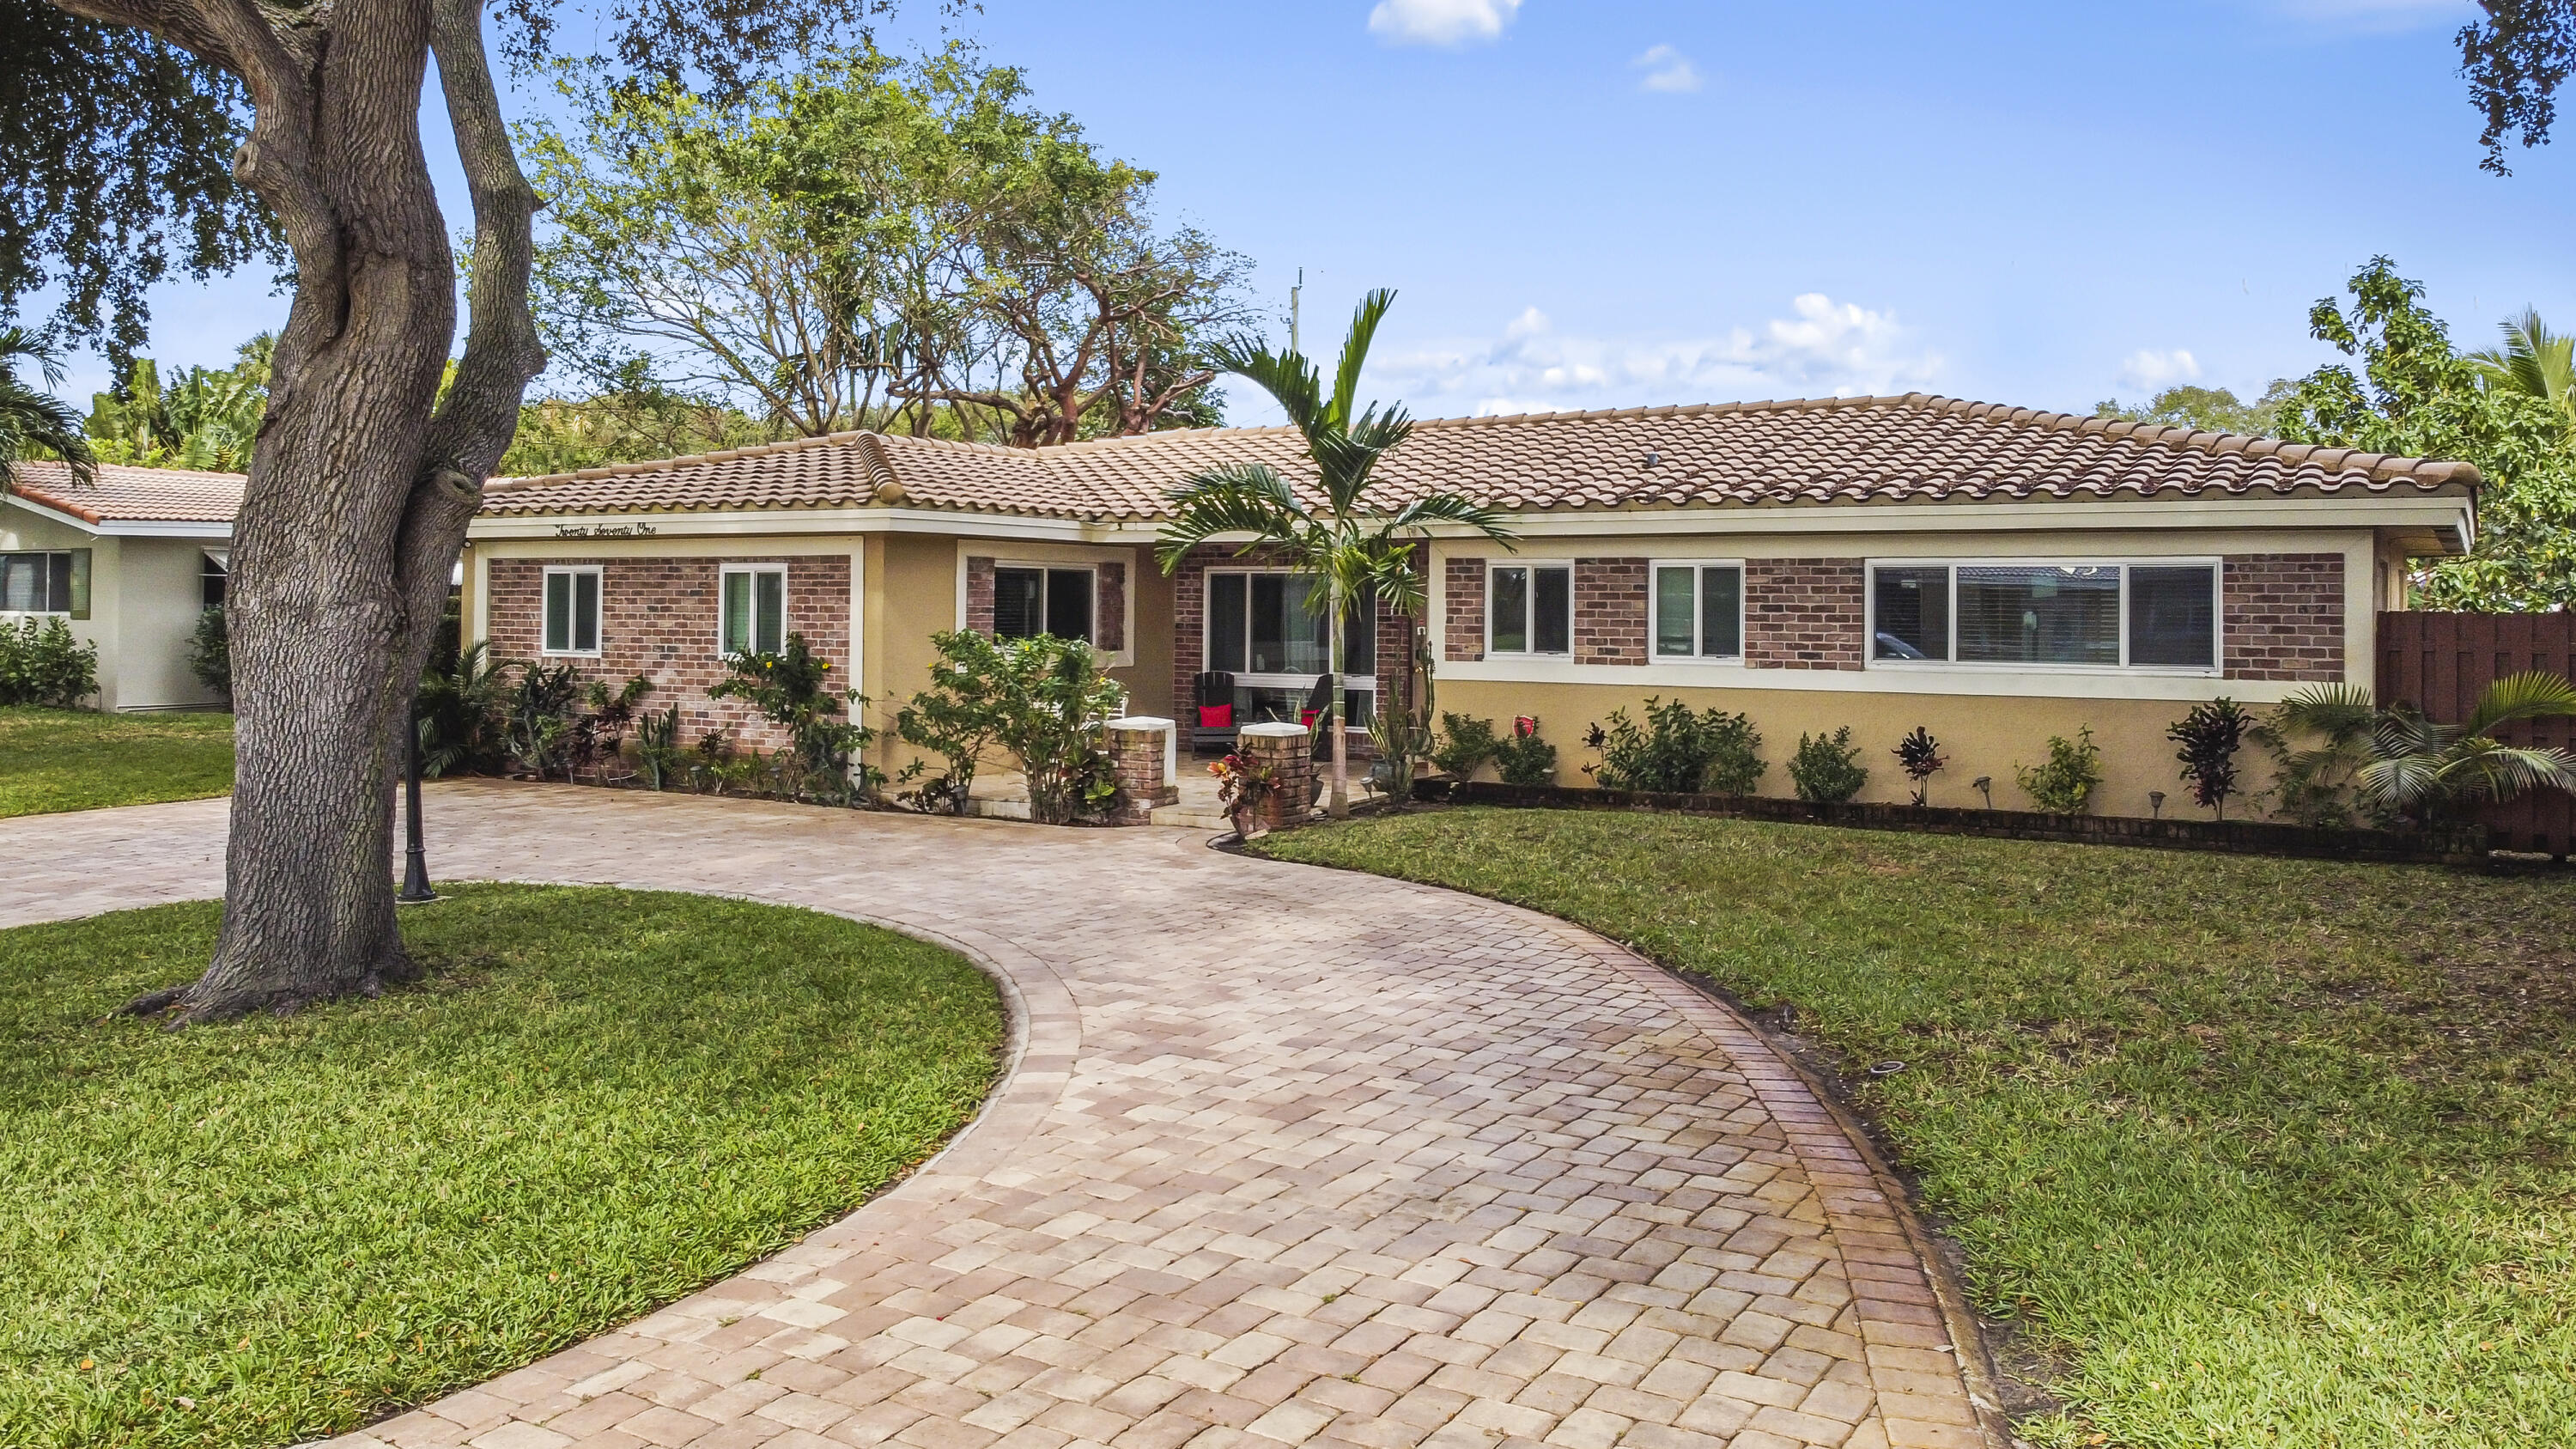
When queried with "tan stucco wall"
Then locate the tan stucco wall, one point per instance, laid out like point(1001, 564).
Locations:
point(1980, 736)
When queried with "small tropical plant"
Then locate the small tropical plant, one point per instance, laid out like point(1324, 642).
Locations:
point(1400, 729)
point(1524, 758)
point(1826, 768)
point(42, 664)
point(457, 712)
point(2210, 736)
point(792, 689)
point(1919, 756)
point(2319, 741)
point(1466, 743)
point(2428, 770)
point(1352, 548)
point(1244, 786)
point(658, 751)
point(1677, 751)
point(599, 736)
point(2064, 785)
point(536, 716)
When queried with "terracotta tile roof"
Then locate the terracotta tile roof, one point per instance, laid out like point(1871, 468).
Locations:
point(1916, 448)
point(120, 494)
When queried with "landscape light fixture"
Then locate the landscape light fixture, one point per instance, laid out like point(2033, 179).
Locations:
point(415, 886)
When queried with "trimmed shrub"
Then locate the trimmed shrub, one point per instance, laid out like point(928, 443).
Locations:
point(210, 653)
point(1827, 769)
point(1677, 751)
point(1465, 745)
point(2210, 736)
point(2065, 785)
point(42, 664)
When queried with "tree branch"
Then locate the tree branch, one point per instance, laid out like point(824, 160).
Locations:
point(473, 427)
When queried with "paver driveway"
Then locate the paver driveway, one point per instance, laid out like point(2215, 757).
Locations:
point(1287, 1155)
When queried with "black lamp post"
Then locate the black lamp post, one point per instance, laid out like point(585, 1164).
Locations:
point(415, 886)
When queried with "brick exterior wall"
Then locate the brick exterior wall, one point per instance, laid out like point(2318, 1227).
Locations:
point(1610, 611)
point(979, 596)
point(658, 618)
point(2284, 616)
point(1806, 613)
point(1462, 639)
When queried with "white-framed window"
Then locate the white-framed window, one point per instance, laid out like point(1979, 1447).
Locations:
point(1263, 629)
point(55, 582)
point(572, 611)
point(1698, 609)
point(2160, 614)
point(1029, 600)
point(214, 577)
point(1529, 608)
point(754, 615)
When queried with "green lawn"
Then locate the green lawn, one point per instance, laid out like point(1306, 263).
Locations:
point(251, 1234)
point(2261, 1152)
point(62, 759)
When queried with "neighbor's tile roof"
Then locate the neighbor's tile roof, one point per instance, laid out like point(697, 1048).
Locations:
point(1916, 448)
point(120, 494)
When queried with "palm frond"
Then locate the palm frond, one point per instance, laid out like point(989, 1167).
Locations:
point(31, 420)
point(1451, 508)
point(2532, 694)
point(1288, 377)
point(2339, 712)
point(1355, 350)
point(1249, 498)
point(2489, 769)
point(1394, 579)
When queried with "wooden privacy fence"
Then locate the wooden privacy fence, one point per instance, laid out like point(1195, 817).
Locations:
point(2441, 662)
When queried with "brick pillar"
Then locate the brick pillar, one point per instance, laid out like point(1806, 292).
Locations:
point(1140, 753)
point(1288, 750)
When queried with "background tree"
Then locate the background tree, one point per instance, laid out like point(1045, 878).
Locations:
point(34, 423)
point(2515, 59)
point(202, 417)
point(1355, 549)
point(2415, 396)
point(372, 453)
point(2206, 409)
point(875, 243)
point(120, 173)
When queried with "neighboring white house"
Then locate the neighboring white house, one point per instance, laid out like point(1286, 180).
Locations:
point(131, 559)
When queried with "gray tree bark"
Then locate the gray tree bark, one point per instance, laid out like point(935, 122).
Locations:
point(362, 480)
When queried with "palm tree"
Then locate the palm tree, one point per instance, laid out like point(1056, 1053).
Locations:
point(32, 420)
point(2534, 361)
point(1354, 551)
point(2422, 767)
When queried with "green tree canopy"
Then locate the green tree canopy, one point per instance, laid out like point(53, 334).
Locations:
point(2205, 409)
point(202, 417)
point(875, 242)
point(2516, 57)
point(2416, 396)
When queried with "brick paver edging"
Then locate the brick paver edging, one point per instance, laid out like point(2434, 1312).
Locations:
point(1286, 1156)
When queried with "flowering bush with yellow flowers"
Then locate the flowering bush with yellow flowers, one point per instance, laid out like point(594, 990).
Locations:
point(792, 689)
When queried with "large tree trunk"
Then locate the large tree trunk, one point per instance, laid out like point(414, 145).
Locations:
point(359, 492)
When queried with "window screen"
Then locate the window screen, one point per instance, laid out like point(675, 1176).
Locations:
point(1069, 603)
point(36, 583)
point(2173, 616)
point(1226, 612)
point(1552, 611)
point(1019, 603)
point(1508, 608)
point(1913, 609)
point(1699, 611)
point(572, 611)
point(755, 611)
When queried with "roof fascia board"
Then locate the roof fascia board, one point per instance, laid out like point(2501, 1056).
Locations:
point(45, 511)
point(2437, 512)
point(165, 528)
point(773, 522)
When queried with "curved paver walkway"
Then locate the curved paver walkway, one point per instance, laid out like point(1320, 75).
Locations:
point(1287, 1155)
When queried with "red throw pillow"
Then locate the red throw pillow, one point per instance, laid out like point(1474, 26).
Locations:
point(1306, 717)
point(1216, 716)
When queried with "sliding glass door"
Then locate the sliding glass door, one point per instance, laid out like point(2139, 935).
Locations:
point(1263, 628)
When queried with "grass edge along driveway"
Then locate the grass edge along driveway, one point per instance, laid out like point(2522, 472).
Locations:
point(253, 1234)
point(2257, 1152)
point(53, 760)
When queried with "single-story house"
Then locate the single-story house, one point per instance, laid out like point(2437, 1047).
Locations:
point(131, 559)
point(1994, 574)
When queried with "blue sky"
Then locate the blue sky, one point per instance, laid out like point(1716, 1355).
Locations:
point(1604, 204)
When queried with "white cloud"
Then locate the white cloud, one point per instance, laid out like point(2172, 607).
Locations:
point(2150, 371)
point(1441, 22)
point(1824, 348)
point(1666, 69)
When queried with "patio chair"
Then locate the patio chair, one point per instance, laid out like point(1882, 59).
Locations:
point(1216, 724)
point(1312, 714)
